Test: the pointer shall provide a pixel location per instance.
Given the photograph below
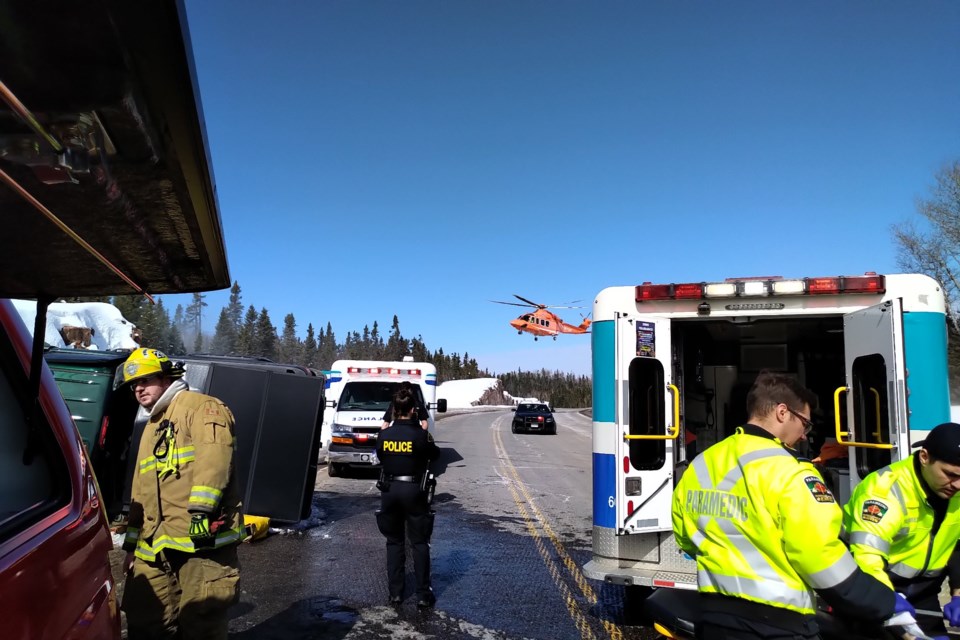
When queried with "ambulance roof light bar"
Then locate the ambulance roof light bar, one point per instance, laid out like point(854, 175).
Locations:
point(756, 287)
point(380, 370)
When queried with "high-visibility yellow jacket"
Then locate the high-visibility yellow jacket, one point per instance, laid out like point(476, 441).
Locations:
point(763, 526)
point(894, 532)
point(191, 471)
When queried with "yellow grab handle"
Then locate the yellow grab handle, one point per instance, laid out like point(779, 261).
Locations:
point(843, 434)
point(836, 413)
point(673, 432)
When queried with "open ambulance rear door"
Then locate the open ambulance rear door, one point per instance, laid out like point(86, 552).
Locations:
point(870, 412)
point(647, 406)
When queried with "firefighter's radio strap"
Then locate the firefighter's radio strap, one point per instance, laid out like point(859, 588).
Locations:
point(165, 450)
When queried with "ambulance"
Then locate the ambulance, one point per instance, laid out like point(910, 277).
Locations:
point(358, 393)
point(672, 364)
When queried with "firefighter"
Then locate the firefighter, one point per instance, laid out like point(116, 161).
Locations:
point(764, 529)
point(903, 525)
point(183, 573)
point(405, 451)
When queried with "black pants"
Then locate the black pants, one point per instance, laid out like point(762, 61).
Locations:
point(404, 513)
point(725, 618)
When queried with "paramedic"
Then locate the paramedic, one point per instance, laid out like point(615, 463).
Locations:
point(184, 569)
point(764, 529)
point(421, 409)
point(405, 451)
point(903, 523)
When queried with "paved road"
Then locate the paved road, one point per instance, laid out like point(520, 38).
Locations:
point(512, 531)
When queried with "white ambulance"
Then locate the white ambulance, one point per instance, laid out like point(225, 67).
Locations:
point(358, 393)
point(672, 364)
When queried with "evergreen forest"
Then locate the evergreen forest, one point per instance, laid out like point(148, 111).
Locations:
point(245, 331)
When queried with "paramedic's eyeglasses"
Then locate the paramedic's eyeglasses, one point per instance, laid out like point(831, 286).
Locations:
point(807, 422)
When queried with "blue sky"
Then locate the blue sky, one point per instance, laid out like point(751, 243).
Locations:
point(421, 158)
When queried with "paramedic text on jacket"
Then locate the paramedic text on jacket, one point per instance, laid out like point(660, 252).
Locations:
point(185, 516)
point(903, 523)
point(764, 529)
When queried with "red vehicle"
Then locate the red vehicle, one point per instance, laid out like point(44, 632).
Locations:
point(55, 579)
point(106, 189)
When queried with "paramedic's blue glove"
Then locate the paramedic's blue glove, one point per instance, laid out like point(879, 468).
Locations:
point(903, 605)
point(951, 612)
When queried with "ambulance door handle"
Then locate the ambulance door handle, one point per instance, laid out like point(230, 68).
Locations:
point(843, 434)
point(671, 432)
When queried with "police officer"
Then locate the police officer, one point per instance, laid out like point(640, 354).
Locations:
point(405, 451)
point(185, 515)
point(420, 411)
point(903, 523)
point(764, 529)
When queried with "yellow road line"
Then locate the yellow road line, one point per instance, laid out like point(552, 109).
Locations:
point(517, 488)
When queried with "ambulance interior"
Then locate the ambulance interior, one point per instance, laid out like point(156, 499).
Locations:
point(715, 362)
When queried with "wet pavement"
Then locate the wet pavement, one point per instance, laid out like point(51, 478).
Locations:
point(512, 532)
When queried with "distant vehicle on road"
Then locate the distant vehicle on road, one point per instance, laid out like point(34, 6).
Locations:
point(534, 417)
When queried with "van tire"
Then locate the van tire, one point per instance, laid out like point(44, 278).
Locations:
point(334, 470)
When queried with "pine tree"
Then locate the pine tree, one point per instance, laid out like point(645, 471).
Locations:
point(178, 320)
point(193, 316)
point(289, 350)
point(329, 350)
point(225, 336)
point(310, 348)
point(376, 343)
point(247, 339)
point(397, 346)
point(266, 344)
point(235, 306)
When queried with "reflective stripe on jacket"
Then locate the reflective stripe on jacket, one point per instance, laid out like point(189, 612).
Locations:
point(889, 525)
point(761, 524)
point(192, 471)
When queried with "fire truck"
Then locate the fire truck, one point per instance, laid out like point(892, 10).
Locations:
point(672, 365)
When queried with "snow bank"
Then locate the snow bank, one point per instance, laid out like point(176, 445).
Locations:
point(463, 394)
point(110, 329)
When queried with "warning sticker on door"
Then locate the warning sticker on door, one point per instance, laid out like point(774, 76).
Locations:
point(646, 339)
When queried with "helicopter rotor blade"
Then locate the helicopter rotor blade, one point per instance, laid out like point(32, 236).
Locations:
point(538, 306)
point(512, 304)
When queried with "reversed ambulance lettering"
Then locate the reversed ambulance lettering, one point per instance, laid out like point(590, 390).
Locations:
point(397, 447)
point(717, 504)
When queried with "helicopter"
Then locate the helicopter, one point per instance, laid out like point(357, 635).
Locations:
point(542, 322)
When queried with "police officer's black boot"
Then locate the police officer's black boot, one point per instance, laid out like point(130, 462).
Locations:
point(426, 600)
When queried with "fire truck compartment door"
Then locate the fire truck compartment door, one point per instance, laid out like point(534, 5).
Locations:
point(645, 418)
point(875, 411)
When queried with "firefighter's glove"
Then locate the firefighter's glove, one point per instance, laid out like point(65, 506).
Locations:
point(199, 528)
point(951, 612)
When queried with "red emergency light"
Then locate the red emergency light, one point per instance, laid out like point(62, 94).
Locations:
point(773, 286)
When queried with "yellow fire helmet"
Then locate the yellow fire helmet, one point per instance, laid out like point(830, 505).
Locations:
point(144, 363)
